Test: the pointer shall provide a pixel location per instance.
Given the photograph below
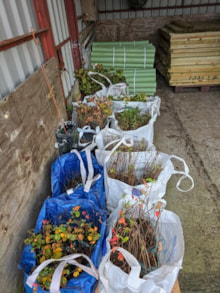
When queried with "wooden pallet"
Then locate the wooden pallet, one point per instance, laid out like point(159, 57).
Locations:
point(180, 89)
point(176, 287)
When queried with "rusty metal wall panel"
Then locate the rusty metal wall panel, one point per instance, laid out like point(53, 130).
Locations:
point(58, 19)
point(16, 64)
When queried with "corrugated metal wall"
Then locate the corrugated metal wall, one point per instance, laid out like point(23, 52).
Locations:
point(113, 9)
point(81, 24)
point(60, 30)
point(16, 64)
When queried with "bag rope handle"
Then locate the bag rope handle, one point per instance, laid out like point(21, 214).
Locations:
point(185, 174)
point(68, 259)
point(90, 73)
point(131, 260)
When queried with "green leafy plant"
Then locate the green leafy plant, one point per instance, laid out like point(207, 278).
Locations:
point(136, 234)
point(77, 235)
point(142, 97)
point(89, 87)
point(132, 118)
point(95, 114)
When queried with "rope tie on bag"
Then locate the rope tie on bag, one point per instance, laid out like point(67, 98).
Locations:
point(113, 56)
point(134, 81)
point(124, 57)
point(145, 56)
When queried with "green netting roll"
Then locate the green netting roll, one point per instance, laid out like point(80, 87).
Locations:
point(141, 54)
point(129, 43)
point(149, 92)
point(123, 57)
point(122, 50)
point(144, 85)
point(139, 72)
point(141, 80)
point(143, 88)
point(122, 60)
point(148, 73)
point(136, 59)
point(123, 66)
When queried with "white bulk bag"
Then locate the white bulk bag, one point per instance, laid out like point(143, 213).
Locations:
point(112, 90)
point(109, 136)
point(141, 160)
point(86, 130)
point(118, 105)
point(170, 234)
point(146, 131)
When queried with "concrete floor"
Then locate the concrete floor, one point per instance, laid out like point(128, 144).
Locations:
point(189, 127)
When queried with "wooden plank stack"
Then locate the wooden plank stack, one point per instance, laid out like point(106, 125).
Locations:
point(189, 54)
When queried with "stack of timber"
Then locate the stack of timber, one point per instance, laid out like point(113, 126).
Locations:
point(189, 54)
point(135, 58)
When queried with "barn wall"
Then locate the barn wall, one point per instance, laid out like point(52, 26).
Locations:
point(28, 119)
point(16, 64)
point(141, 28)
point(86, 33)
point(61, 33)
point(121, 9)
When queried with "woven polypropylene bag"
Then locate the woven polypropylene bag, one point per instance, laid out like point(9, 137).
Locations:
point(170, 234)
point(75, 165)
point(58, 211)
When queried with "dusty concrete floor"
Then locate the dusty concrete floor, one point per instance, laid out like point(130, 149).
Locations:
point(189, 127)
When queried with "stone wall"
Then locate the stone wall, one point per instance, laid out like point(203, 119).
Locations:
point(141, 28)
